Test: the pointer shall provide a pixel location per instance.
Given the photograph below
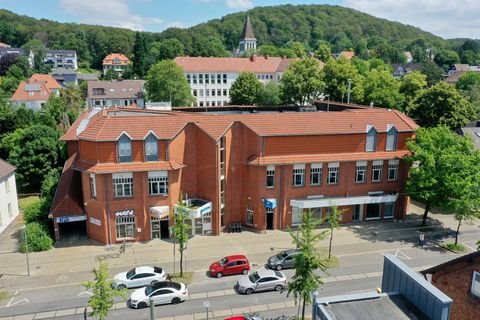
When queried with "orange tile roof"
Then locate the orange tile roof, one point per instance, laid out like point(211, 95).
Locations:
point(327, 157)
point(68, 198)
point(38, 92)
point(5, 169)
point(50, 81)
point(99, 168)
point(110, 124)
point(71, 133)
point(255, 64)
point(347, 54)
point(122, 59)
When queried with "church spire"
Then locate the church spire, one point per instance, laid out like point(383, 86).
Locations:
point(248, 42)
point(248, 30)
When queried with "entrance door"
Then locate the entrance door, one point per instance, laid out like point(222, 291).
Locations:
point(155, 223)
point(269, 213)
point(357, 212)
point(164, 230)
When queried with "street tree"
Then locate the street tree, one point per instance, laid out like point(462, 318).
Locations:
point(139, 55)
point(103, 296)
point(245, 89)
point(302, 83)
point(306, 279)
point(411, 85)
point(436, 175)
point(333, 221)
point(336, 75)
point(269, 94)
point(441, 104)
point(166, 82)
point(181, 229)
point(382, 89)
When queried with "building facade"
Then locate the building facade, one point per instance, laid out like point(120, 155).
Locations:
point(8, 195)
point(62, 59)
point(102, 93)
point(117, 62)
point(133, 165)
point(34, 92)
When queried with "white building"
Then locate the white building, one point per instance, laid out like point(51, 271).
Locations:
point(103, 93)
point(62, 59)
point(8, 195)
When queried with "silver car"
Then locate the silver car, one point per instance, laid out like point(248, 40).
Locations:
point(283, 260)
point(262, 280)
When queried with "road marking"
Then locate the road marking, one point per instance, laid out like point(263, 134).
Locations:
point(85, 292)
point(466, 245)
point(403, 254)
point(11, 303)
point(8, 304)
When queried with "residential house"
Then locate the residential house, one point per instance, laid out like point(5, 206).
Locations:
point(117, 62)
point(8, 195)
point(404, 295)
point(210, 79)
point(401, 69)
point(19, 52)
point(62, 59)
point(472, 129)
point(349, 55)
point(457, 71)
point(247, 168)
point(34, 92)
point(65, 76)
point(115, 93)
point(459, 279)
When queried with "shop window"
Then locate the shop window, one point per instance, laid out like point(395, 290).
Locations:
point(296, 216)
point(388, 210)
point(125, 227)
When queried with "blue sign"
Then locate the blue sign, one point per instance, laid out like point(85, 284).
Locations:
point(270, 203)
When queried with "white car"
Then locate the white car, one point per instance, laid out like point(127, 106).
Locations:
point(262, 280)
point(139, 277)
point(160, 293)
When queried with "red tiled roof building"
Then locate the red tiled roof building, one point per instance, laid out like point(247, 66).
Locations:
point(259, 169)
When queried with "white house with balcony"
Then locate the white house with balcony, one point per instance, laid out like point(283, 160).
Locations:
point(62, 59)
point(8, 195)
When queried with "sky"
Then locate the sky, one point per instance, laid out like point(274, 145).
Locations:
point(447, 18)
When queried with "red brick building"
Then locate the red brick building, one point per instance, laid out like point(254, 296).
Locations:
point(258, 169)
point(460, 280)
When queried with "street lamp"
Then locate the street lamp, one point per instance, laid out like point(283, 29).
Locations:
point(348, 91)
point(25, 239)
point(328, 101)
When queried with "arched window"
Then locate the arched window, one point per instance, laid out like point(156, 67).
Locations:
point(371, 143)
point(392, 134)
point(124, 145)
point(151, 148)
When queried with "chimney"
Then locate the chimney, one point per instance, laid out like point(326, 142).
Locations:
point(252, 58)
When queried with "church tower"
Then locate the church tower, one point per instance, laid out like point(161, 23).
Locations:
point(248, 42)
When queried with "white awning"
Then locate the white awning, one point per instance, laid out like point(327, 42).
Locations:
point(346, 201)
point(160, 211)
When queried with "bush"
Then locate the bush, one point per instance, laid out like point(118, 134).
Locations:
point(38, 238)
point(34, 212)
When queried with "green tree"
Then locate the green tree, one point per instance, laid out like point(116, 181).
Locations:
point(336, 75)
point(467, 80)
point(298, 48)
point(181, 229)
point(323, 51)
point(269, 95)
point(382, 89)
point(446, 58)
point(436, 175)
point(441, 104)
point(111, 75)
point(267, 50)
point(432, 71)
point(170, 49)
point(333, 221)
point(411, 85)
point(37, 237)
point(104, 294)
point(139, 55)
point(245, 89)
point(302, 82)
point(166, 82)
point(306, 279)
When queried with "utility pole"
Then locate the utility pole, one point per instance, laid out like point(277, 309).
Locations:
point(25, 238)
point(348, 91)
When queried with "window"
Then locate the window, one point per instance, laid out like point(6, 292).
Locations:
point(158, 183)
point(296, 216)
point(224, 92)
point(213, 92)
point(194, 92)
point(206, 78)
point(194, 79)
point(151, 148)
point(361, 170)
point(189, 80)
point(371, 143)
point(333, 171)
point(392, 134)
point(200, 93)
point(7, 185)
point(224, 78)
point(316, 174)
point(93, 185)
point(207, 92)
point(475, 288)
point(388, 210)
point(222, 156)
point(125, 227)
point(298, 175)
point(200, 78)
point(393, 170)
point(219, 78)
point(122, 184)
point(270, 176)
point(124, 149)
point(249, 214)
point(219, 93)
point(377, 167)
point(10, 212)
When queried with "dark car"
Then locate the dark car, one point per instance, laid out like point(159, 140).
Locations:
point(236, 264)
point(283, 260)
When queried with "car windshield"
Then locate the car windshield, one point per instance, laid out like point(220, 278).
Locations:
point(130, 273)
point(254, 277)
point(282, 255)
point(223, 261)
point(279, 274)
point(148, 290)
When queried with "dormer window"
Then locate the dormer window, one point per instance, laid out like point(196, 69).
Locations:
point(392, 135)
point(124, 148)
point(151, 148)
point(371, 143)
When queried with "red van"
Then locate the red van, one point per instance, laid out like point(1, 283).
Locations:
point(236, 264)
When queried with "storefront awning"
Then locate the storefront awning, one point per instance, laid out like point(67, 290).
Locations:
point(346, 201)
point(160, 211)
point(270, 203)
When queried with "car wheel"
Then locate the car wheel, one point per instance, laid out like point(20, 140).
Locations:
point(249, 291)
point(245, 271)
point(219, 274)
point(176, 300)
point(121, 286)
point(142, 305)
point(153, 282)
point(278, 287)
point(279, 267)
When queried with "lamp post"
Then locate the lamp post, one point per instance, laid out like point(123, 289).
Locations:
point(348, 91)
point(25, 238)
point(328, 101)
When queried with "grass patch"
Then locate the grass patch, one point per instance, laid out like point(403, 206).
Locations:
point(87, 70)
point(457, 248)
point(333, 262)
point(27, 201)
point(186, 279)
point(4, 295)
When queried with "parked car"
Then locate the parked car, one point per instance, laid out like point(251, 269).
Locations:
point(236, 264)
point(161, 293)
point(139, 277)
point(283, 260)
point(262, 280)
point(245, 317)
